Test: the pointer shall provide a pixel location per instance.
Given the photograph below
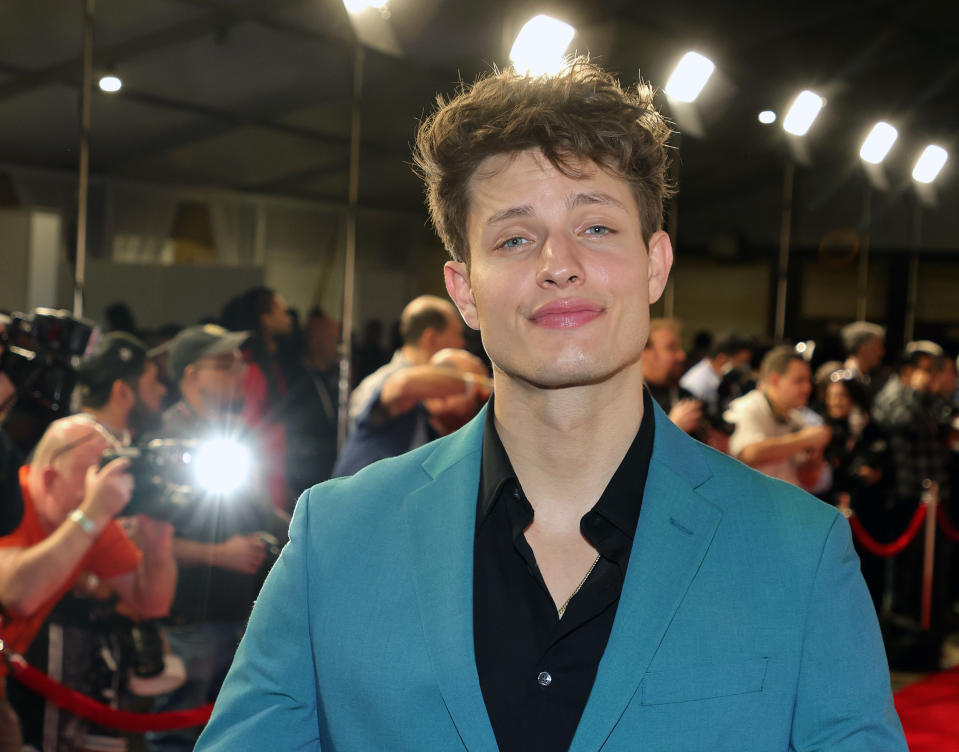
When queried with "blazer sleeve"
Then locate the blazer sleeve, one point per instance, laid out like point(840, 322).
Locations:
point(268, 700)
point(843, 701)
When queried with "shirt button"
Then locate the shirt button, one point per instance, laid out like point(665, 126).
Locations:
point(544, 679)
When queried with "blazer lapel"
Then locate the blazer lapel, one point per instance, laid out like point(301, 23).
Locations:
point(675, 529)
point(442, 519)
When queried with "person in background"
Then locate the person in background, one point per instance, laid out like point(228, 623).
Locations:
point(312, 426)
point(773, 432)
point(428, 324)
point(271, 369)
point(222, 542)
point(69, 533)
point(861, 462)
point(703, 379)
point(865, 346)
point(118, 386)
point(663, 360)
point(415, 406)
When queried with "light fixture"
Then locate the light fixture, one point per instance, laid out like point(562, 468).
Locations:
point(358, 6)
point(540, 46)
point(929, 163)
point(110, 83)
point(802, 113)
point(878, 143)
point(690, 76)
point(767, 117)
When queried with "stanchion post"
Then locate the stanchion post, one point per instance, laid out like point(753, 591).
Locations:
point(930, 497)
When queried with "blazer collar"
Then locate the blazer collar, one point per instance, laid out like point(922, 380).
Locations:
point(676, 527)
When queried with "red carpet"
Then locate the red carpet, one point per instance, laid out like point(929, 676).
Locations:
point(929, 710)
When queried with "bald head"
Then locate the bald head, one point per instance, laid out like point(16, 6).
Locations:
point(67, 449)
point(429, 324)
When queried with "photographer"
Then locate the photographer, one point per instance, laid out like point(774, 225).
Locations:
point(219, 541)
point(68, 528)
point(119, 388)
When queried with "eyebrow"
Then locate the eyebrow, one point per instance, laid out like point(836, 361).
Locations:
point(573, 201)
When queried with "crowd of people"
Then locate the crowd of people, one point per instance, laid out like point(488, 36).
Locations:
point(76, 573)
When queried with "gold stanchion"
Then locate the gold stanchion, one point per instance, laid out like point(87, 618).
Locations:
point(930, 497)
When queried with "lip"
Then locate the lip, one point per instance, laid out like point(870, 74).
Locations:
point(566, 313)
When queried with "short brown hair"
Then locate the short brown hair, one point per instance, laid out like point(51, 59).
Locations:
point(777, 361)
point(580, 113)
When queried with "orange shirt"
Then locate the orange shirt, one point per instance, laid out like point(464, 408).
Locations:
point(111, 555)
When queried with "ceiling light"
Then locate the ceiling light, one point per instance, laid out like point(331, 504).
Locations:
point(803, 112)
point(110, 83)
point(767, 117)
point(689, 77)
point(540, 46)
point(929, 163)
point(878, 143)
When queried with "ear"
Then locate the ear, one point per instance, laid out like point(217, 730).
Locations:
point(47, 475)
point(660, 262)
point(122, 393)
point(458, 286)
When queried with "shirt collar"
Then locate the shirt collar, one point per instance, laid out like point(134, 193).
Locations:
point(619, 503)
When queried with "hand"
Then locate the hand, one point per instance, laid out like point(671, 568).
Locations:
point(241, 553)
point(687, 414)
point(106, 491)
point(816, 437)
point(920, 380)
point(870, 475)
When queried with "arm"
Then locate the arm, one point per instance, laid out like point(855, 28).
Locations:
point(29, 577)
point(403, 389)
point(268, 700)
point(843, 699)
point(783, 447)
point(241, 553)
point(149, 589)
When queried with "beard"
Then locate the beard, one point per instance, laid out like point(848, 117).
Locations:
point(143, 421)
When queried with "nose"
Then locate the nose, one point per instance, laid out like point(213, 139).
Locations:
point(559, 263)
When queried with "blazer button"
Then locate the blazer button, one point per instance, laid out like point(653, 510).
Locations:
point(544, 679)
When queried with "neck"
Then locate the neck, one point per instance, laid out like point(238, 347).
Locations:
point(565, 444)
point(196, 402)
point(415, 355)
point(778, 407)
point(110, 416)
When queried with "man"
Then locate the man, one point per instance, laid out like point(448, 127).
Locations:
point(865, 346)
point(119, 387)
point(68, 529)
point(703, 379)
point(570, 570)
point(663, 361)
point(416, 405)
point(428, 324)
point(219, 542)
point(906, 410)
point(774, 433)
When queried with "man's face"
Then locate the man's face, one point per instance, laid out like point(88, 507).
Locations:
point(792, 388)
point(560, 280)
point(150, 391)
point(663, 358)
point(219, 380)
point(871, 353)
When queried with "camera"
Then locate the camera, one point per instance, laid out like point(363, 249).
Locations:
point(40, 351)
point(170, 474)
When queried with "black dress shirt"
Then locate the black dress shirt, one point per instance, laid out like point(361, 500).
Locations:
point(536, 670)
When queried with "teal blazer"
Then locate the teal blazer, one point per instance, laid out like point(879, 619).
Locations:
point(744, 623)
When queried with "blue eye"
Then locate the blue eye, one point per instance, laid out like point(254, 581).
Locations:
point(515, 242)
point(598, 230)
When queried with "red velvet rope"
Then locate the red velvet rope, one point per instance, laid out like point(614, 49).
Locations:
point(895, 547)
point(103, 715)
point(945, 524)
